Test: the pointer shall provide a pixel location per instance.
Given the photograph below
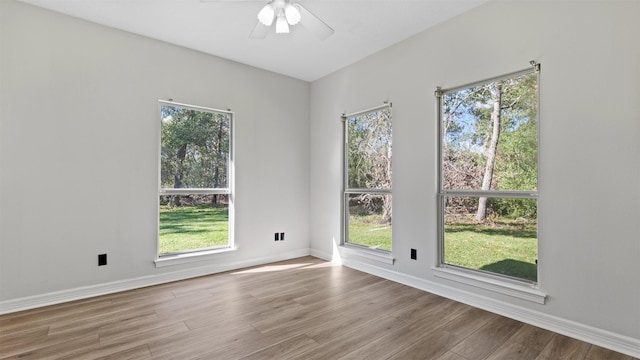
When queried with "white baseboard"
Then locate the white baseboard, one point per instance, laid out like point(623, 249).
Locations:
point(603, 338)
point(58, 297)
point(606, 339)
point(320, 254)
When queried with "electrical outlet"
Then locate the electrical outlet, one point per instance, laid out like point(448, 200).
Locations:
point(102, 259)
point(414, 254)
point(281, 236)
point(276, 237)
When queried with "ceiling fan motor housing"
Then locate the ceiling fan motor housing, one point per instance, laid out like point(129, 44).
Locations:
point(284, 12)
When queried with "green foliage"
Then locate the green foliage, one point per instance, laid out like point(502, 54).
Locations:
point(490, 135)
point(369, 150)
point(195, 155)
point(195, 148)
point(467, 128)
point(513, 208)
point(517, 164)
point(369, 157)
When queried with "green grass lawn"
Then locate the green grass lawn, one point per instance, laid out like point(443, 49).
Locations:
point(193, 227)
point(367, 231)
point(506, 247)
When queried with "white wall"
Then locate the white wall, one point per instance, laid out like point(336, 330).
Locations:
point(78, 153)
point(79, 161)
point(589, 206)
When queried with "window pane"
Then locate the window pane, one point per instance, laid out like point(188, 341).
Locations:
point(490, 136)
point(369, 150)
point(195, 148)
point(369, 220)
point(505, 242)
point(193, 222)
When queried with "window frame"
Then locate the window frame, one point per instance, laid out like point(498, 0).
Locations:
point(188, 255)
point(477, 276)
point(377, 254)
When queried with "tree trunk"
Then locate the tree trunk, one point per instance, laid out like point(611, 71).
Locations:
point(177, 176)
point(387, 213)
point(496, 95)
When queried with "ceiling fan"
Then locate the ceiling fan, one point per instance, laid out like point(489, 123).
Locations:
point(285, 14)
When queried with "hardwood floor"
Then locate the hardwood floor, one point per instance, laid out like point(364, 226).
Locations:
point(298, 309)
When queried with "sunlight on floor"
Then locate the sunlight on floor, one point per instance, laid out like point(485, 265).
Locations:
point(271, 268)
point(292, 264)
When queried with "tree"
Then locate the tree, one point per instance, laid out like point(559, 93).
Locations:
point(495, 89)
point(490, 143)
point(370, 159)
point(195, 149)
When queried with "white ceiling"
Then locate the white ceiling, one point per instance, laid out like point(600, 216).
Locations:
point(222, 27)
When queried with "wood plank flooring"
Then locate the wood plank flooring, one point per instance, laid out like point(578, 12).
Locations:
point(298, 309)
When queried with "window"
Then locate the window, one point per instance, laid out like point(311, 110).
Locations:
point(367, 179)
point(488, 174)
point(195, 179)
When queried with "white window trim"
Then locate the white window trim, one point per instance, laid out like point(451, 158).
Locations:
point(383, 256)
point(163, 260)
point(518, 289)
point(489, 281)
point(190, 257)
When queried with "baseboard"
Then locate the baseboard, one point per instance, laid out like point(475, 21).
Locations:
point(58, 297)
point(603, 338)
point(606, 339)
point(320, 254)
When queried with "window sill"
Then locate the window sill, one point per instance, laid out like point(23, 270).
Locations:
point(186, 258)
point(350, 250)
point(521, 291)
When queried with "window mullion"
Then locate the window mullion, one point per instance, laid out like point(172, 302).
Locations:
point(195, 187)
point(183, 191)
point(366, 208)
point(491, 194)
point(484, 146)
point(368, 191)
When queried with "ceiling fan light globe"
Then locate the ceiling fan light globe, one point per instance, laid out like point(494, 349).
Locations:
point(292, 13)
point(266, 15)
point(282, 27)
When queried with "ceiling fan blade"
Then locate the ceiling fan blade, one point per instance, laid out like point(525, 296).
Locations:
point(259, 31)
point(314, 24)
